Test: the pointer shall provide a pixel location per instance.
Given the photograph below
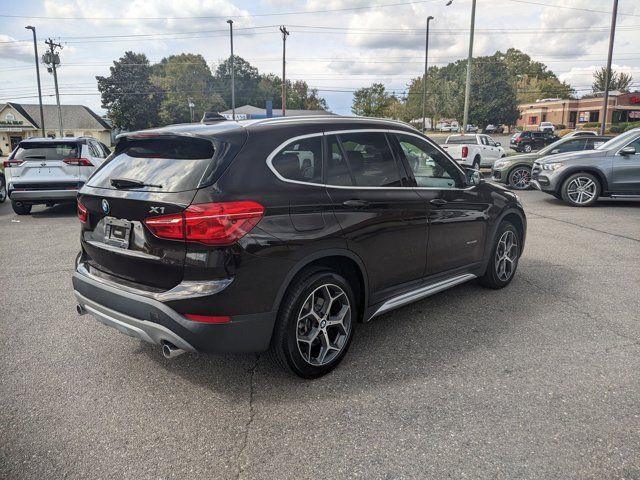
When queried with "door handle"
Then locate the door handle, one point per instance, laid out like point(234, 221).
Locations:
point(356, 203)
point(438, 202)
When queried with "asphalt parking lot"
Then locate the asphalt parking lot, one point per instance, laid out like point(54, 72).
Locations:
point(540, 380)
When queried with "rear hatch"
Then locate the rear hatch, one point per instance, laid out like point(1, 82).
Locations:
point(146, 177)
point(46, 165)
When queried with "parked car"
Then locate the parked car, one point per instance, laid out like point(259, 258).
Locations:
point(50, 171)
point(515, 171)
point(448, 127)
point(611, 170)
point(3, 185)
point(493, 128)
point(580, 133)
point(473, 150)
point(529, 141)
point(471, 128)
point(283, 234)
point(546, 127)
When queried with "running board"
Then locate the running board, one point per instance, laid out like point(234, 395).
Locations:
point(625, 196)
point(421, 293)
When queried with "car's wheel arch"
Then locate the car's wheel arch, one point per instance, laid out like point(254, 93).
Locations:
point(342, 260)
point(512, 214)
point(604, 186)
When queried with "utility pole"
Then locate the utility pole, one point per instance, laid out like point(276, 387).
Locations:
point(285, 34)
point(35, 50)
point(233, 87)
point(467, 89)
point(424, 78)
point(52, 59)
point(607, 81)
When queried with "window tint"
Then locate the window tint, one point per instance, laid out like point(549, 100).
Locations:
point(47, 151)
point(461, 140)
point(301, 160)
point(490, 142)
point(370, 159)
point(93, 150)
point(571, 146)
point(338, 172)
point(430, 166)
point(593, 143)
point(484, 141)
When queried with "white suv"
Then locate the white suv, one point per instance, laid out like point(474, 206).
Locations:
point(546, 127)
point(50, 170)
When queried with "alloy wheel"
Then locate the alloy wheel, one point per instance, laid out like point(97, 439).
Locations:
point(520, 178)
point(506, 255)
point(324, 325)
point(581, 190)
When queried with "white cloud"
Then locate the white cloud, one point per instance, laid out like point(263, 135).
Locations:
point(19, 51)
point(583, 76)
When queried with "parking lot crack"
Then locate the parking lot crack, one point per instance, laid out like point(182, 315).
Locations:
point(242, 464)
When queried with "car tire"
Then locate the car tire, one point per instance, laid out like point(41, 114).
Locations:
point(21, 208)
point(503, 261)
point(581, 189)
point(527, 148)
point(3, 189)
point(476, 163)
point(303, 315)
point(519, 178)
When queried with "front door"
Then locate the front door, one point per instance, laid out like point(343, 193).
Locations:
point(382, 218)
point(457, 214)
point(626, 170)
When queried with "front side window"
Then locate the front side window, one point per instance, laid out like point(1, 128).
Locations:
point(300, 160)
point(370, 159)
point(431, 168)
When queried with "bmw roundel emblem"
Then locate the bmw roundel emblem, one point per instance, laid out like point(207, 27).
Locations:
point(105, 206)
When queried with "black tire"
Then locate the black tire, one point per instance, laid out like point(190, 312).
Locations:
point(491, 277)
point(476, 163)
point(21, 208)
point(285, 350)
point(514, 178)
point(527, 148)
point(571, 189)
point(3, 189)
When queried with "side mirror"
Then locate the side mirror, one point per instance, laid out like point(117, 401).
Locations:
point(629, 150)
point(498, 144)
point(473, 176)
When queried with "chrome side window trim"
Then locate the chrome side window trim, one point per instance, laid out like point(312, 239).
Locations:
point(354, 187)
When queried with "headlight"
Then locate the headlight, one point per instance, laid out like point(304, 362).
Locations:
point(502, 164)
point(552, 166)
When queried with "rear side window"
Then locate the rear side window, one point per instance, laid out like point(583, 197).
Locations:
point(47, 150)
point(301, 160)
point(172, 164)
point(572, 145)
point(461, 140)
point(338, 172)
point(370, 159)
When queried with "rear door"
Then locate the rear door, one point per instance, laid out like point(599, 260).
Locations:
point(382, 217)
point(115, 238)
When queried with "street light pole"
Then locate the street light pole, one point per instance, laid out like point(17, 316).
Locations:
point(35, 50)
point(607, 81)
point(424, 78)
point(285, 34)
point(467, 89)
point(233, 88)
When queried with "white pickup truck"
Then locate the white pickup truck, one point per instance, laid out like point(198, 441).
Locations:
point(473, 150)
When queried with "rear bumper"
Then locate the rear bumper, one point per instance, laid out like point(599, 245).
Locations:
point(154, 322)
point(42, 195)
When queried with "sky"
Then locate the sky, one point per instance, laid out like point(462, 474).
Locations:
point(336, 46)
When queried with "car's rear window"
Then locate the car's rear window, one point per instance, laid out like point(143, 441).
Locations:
point(47, 150)
point(169, 164)
point(461, 140)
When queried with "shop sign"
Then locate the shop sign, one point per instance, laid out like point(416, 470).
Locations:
point(634, 114)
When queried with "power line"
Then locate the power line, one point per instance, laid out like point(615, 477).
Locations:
point(573, 8)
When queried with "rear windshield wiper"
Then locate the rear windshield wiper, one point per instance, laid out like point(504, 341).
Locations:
point(39, 157)
point(123, 183)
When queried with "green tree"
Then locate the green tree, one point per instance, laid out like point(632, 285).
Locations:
point(131, 99)
point(371, 101)
point(247, 82)
point(183, 77)
point(299, 95)
point(619, 81)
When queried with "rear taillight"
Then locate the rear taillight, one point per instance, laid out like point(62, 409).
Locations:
point(81, 162)
point(12, 163)
point(465, 152)
point(83, 213)
point(209, 223)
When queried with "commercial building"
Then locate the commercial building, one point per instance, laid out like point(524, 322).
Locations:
point(19, 121)
point(622, 108)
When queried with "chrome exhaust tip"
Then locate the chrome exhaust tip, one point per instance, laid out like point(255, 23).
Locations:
point(169, 350)
point(81, 310)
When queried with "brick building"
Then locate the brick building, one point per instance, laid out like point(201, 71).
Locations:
point(622, 108)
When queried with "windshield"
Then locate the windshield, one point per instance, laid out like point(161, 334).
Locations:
point(47, 151)
point(462, 139)
point(620, 141)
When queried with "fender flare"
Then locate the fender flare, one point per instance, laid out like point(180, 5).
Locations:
point(304, 262)
point(491, 234)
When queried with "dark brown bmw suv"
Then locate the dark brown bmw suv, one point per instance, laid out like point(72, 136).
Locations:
point(283, 234)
